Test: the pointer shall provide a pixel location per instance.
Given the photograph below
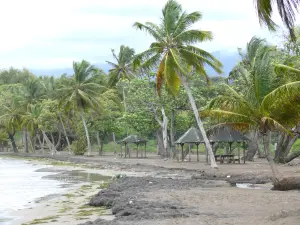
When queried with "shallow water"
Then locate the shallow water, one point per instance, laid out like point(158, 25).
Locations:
point(23, 184)
point(253, 186)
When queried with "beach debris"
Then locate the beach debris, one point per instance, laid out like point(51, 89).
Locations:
point(118, 176)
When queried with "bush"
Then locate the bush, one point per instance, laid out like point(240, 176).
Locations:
point(79, 147)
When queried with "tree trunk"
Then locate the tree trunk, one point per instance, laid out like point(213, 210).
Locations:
point(52, 138)
point(160, 146)
point(124, 99)
point(50, 145)
point(199, 123)
point(13, 142)
point(26, 139)
point(164, 127)
point(41, 143)
point(115, 144)
point(283, 148)
point(99, 142)
point(58, 140)
point(172, 134)
point(253, 147)
point(65, 133)
point(86, 133)
point(266, 140)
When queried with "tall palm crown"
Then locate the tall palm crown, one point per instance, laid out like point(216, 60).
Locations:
point(266, 103)
point(265, 98)
point(123, 68)
point(82, 93)
point(173, 52)
point(286, 9)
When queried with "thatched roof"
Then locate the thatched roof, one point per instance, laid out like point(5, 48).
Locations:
point(225, 133)
point(132, 139)
point(193, 135)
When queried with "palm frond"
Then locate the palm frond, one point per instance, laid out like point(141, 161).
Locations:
point(149, 30)
point(283, 94)
point(273, 124)
point(193, 36)
point(186, 21)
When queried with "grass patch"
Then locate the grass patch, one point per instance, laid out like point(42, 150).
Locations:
point(86, 186)
point(42, 220)
point(69, 195)
point(104, 185)
point(65, 209)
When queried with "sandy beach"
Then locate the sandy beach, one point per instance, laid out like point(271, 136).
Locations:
point(155, 191)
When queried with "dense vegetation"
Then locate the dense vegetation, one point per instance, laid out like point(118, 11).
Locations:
point(142, 94)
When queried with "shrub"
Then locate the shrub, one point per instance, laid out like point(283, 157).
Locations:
point(79, 146)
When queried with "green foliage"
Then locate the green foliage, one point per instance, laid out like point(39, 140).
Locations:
point(173, 53)
point(296, 146)
point(123, 68)
point(79, 146)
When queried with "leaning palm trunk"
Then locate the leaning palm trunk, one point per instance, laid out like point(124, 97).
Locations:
point(50, 145)
point(266, 139)
point(65, 133)
point(41, 143)
point(199, 123)
point(86, 133)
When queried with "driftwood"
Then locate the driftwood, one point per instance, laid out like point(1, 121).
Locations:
point(287, 183)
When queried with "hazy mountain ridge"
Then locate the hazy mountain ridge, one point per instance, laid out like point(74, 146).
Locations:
point(228, 60)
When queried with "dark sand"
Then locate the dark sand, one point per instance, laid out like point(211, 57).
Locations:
point(192, 193)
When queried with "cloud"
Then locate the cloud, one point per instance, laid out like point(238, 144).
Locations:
point(51, 34)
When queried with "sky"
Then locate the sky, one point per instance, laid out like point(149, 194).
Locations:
point(51, 34)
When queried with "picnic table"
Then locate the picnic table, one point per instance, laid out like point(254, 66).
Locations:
point(222, 158)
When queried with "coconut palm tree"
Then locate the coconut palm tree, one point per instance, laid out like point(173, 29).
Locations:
point(10, 119)
point(286, 11)
point(122, 69)
point(173, 54)
point(82, 93)
point(267, 103)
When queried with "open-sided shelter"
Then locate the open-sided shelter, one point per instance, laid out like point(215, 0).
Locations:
point(133, 139)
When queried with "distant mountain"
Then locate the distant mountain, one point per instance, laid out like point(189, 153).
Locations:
point(228, 60)
point(59, 71)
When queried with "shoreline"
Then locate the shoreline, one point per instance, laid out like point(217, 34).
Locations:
point(200, 194)
point(53, 209)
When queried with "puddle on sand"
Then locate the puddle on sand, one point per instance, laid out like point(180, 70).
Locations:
point(254, 186)
point(77, 176)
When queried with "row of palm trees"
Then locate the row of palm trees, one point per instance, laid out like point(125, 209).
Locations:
point(176, 58)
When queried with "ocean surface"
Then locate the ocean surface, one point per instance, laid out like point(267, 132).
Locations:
point(20, 186)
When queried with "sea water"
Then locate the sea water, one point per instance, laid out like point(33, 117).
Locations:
point(20, 185)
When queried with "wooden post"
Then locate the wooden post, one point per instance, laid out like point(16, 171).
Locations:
point(145, 148)
point(125, 150)
point(128, 147)
point(121, 151)
point(244, 146)
point(137, 150)
point(239, 155)
point(181, 152)
point(197, 144)
point(189, 152)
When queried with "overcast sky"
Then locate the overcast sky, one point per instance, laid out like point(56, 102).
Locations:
point(46, 34)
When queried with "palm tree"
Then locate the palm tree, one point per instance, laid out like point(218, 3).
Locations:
point(31, 121)
point(266, 104)
point(82, 93)
point(11, 119)
point(174, 54)
point(286, 11)
point(122, 69)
